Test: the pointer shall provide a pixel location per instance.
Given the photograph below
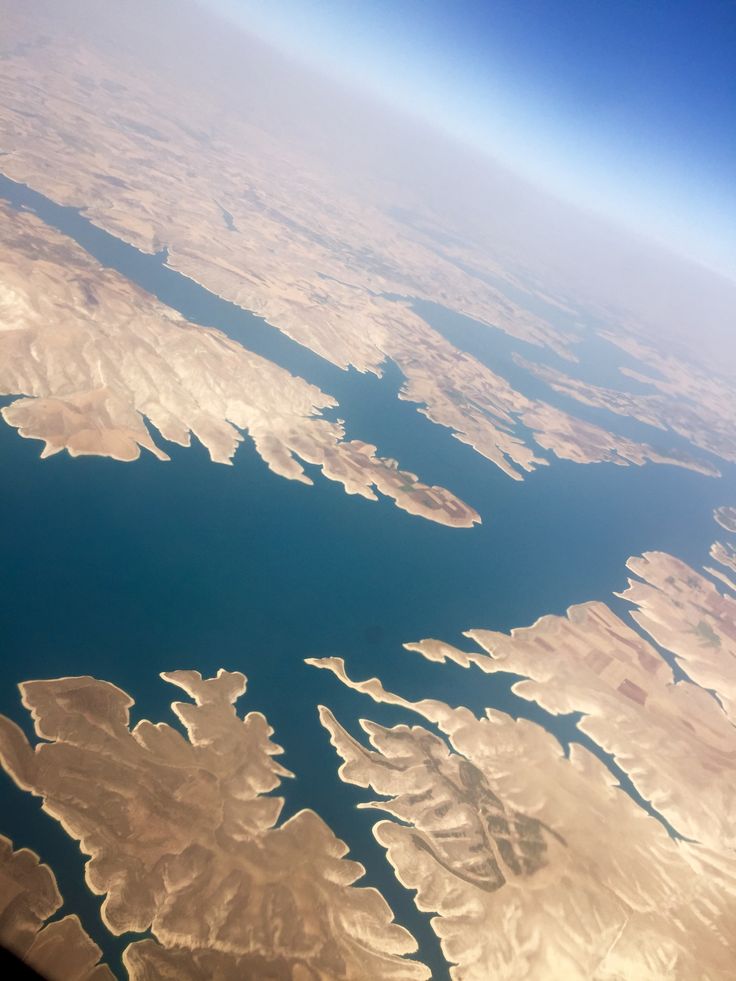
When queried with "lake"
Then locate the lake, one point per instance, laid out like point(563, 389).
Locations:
point(125, 570)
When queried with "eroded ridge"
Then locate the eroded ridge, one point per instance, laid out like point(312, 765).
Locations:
point(682, 398)
point(687, 615)
point(271, 224)
point(537, 865)
point(725, 516)
point(570, 438)
point(674, 739)
point(184, 842)
point(725, 555)
point(29, 896)
point(95, 357)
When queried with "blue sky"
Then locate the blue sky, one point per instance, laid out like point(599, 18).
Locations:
point(626, 107)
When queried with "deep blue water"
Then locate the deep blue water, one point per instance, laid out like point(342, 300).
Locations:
point(125, 570)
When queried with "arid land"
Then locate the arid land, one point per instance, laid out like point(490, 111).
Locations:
point(269, 223)
point(535, 862)
point(184, 840)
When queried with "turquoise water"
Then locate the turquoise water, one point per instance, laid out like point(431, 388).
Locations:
point(125, 570)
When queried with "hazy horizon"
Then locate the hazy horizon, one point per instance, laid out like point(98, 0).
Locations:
point(647, 159)
point(352, 140)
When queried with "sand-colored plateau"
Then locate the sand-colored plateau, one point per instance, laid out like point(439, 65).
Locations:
point(672, 739)
point(686, 614)
point(697, 406)
point(537, 864)
point(697, 402)
point(60, 950)
point(483, 409)
point(573, 439)
point(298, 247)
point(184, 840)
point(269, 224)
point(95, 358)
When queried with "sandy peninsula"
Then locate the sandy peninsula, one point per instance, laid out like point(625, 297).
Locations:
point(101, 365)
point(726, 517)
point(60, 950)
point(273, 225)
point(184, 838)
point(536, 863)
